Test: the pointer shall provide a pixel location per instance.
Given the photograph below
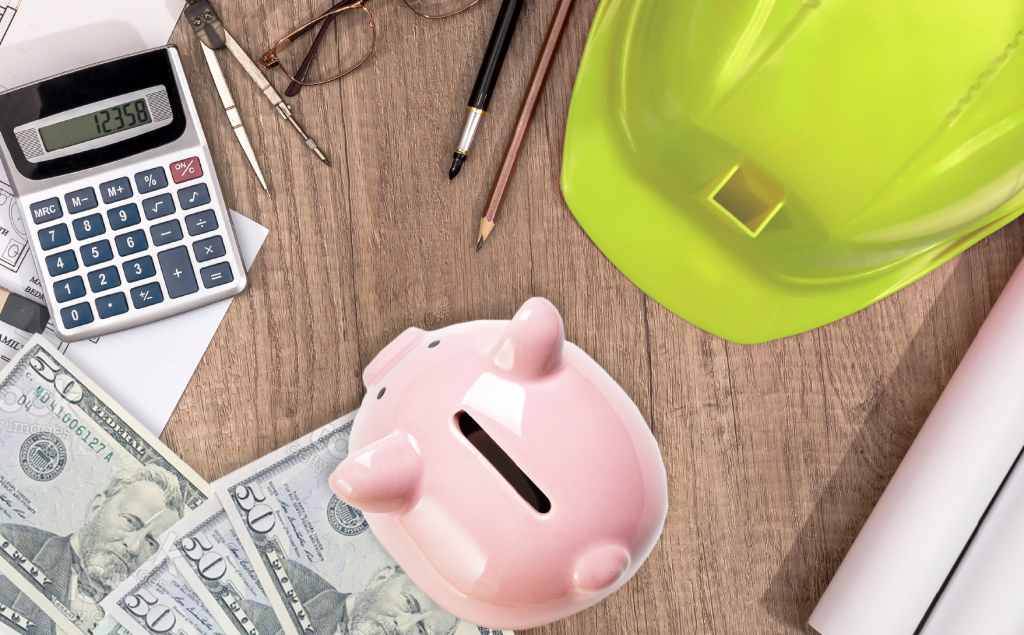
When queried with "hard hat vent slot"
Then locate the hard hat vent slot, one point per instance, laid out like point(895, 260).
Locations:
point(503, 463)
point(749, 197)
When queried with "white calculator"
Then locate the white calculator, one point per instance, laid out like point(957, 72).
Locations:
point(123, 209)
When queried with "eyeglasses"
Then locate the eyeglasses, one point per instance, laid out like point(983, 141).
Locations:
point(346, 38)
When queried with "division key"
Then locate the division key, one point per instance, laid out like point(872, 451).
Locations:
point(176, 266)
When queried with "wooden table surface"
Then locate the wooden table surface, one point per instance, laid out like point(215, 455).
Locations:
point(775, 453)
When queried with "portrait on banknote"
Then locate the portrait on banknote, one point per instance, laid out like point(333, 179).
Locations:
point(85, 492)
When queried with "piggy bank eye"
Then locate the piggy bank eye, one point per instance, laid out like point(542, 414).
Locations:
point(381, 393)
point(434, 343)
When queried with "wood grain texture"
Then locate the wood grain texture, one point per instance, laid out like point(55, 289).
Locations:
point(775, 453)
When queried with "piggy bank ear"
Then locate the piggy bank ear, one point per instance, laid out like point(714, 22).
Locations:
point(380, 478)
point(600, 568)
point(531, 345)
point(393, 352)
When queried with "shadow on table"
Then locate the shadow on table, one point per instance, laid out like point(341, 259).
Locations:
point(900, 408)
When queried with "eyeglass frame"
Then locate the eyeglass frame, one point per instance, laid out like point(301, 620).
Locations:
point(270, 59)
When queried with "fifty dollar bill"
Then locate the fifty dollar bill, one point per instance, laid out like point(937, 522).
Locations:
point(323, 570)
point(85, 491)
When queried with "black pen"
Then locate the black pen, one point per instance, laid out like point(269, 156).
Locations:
point(508, 15)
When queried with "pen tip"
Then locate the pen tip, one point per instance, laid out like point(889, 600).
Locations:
point(457, 162)
point(328, 162)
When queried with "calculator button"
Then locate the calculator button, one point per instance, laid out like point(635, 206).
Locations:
point(46, 211)
point(88, 227)
point(177, 269)
point(121, 217)
point(156, 207)
point(165, 233)
point(194, 196)
point(216, 275)
point(68, 289)
point(103, 279)
point(76, 315)
point(186, 170)
point(56, 236)
point(117, 190)
point(95, 253)
point(59, 264)
point(139, 269)
point(208, 249)
point(201, 222)
point(130, 243)
point(147, 295)
point(111, 305)
point(81, 201)
point(151, 180)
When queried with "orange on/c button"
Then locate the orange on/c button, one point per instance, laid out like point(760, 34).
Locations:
point(186, 170)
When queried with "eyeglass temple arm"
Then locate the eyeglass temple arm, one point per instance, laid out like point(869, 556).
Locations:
point(294, 87)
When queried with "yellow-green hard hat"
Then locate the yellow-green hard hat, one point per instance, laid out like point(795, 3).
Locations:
point(764, 167)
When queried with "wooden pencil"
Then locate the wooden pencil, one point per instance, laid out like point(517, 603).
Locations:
point(515, 144)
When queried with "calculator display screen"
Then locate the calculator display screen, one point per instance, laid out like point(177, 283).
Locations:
point(94, 125)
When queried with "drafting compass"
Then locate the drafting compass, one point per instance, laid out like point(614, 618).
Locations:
point(211, 32)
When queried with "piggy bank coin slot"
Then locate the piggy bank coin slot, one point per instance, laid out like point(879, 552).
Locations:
point(503, 463)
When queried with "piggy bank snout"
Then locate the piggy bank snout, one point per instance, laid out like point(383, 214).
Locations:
point(391, 355)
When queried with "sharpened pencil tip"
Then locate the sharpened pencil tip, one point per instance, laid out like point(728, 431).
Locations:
point(479, 243)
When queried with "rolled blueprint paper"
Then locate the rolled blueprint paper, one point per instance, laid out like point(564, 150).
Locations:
point(927, 514)
point(986, 593)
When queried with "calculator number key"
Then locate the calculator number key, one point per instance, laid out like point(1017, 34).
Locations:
point(147, 295)
point(88, 227)
point(81, 201)
point(131, 243)
point(216, 275)
point(158, 206)
point(76, 315)
point(151, 180)
point(140, 269)
point(201, 222)
point(165, 233)
point(194, 196)
point(104, 279)
point(111, 305)
point(59, 264)
point(177, 269)
point(96, 253)
point(69, 289)
point(122, 217)
point(56, 236)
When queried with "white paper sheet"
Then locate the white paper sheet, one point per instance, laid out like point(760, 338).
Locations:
point(146, 369)
point(935, 501)
point(986, 593)
point(46, 37)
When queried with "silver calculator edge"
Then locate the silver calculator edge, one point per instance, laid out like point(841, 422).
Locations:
point(189, 141)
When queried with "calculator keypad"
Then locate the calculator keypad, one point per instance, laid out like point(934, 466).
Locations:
point(107, 251)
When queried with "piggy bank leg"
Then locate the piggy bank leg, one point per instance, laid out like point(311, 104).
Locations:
point(600, 568)
point(380, 478)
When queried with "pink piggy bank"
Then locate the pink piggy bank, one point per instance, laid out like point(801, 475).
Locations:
point(504, 470)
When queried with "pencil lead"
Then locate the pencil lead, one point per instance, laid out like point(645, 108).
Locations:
point(479, 243)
